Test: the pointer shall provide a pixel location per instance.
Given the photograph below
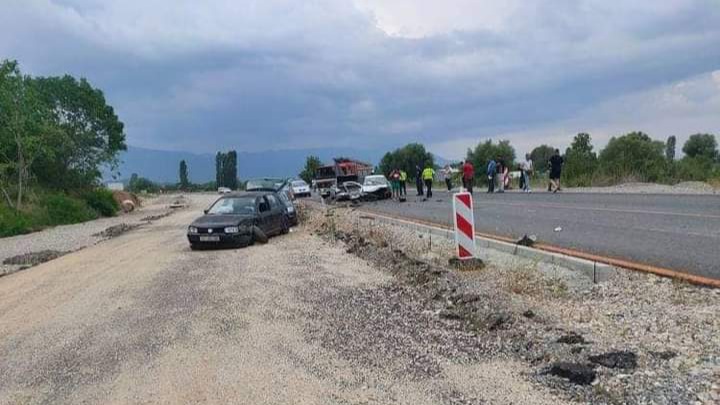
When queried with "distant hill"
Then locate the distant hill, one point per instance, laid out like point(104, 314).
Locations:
point(162, 166)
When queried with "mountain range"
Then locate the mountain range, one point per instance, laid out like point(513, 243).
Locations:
point(163, 166)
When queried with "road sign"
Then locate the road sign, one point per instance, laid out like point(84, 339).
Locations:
point(464, 225)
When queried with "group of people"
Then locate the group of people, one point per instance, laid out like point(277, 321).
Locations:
point(497, 172)
point(423, 181)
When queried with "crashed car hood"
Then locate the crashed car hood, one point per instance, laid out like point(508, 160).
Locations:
point(372, 189)
point(221, 220)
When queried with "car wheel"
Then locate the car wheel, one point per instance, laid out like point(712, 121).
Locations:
point(285, 226)
point(259, 236)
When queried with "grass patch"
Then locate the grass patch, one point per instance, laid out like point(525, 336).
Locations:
point(102, 202)
point(527, 280)
point(61, 209)
point(51, 209)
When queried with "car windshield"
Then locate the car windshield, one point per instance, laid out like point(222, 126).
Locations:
point(375, 181)
point(264, 184)
point(233, 206)
point(299, 183)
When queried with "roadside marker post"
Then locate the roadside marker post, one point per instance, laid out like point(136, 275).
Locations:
point(464, 220)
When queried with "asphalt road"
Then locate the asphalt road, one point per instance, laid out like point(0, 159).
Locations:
point(672, 231)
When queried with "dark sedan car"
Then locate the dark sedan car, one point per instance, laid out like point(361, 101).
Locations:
point(238, 220)
point(282, 188)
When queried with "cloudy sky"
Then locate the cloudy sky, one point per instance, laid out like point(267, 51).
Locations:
point(276, 74)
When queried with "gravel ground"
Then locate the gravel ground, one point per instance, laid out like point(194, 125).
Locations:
point(70, 238)
point(643, 339)
point(143, 319)
point(686, 187)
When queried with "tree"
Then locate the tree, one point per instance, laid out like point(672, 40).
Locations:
point(24, 131)
point(540, 157)
point(484, 151)
point(634, 155)
point(88, 134)
point(670, 148)
point(580, 161)
point(229, 173)
point(701, 145)
point(312, 163)
point(219, 169)
point(407, 159)
point(184, 181)
point(139, 184)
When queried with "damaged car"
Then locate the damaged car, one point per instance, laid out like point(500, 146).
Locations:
point(239, 219)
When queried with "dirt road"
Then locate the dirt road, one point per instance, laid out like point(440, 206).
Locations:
point(142, 319)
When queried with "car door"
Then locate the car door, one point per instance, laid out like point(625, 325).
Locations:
point(265, 215)
point(277, 210)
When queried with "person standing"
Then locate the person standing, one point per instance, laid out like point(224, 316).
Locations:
point(526, 168)
point(447, 174)
point(403, 183)
point(556, 164)
point(468, 176)
point(491, 169)
point(428, 175)
point(499, 178)
point(419, 180)
point(395, 184)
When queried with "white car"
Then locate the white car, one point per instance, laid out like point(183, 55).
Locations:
point(224, 190)
point(300, 188)
point(376, 185)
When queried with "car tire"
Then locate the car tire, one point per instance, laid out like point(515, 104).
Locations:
point(285, 226)
point(259, 236)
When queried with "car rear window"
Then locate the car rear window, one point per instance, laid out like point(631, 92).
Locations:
point(233, 206)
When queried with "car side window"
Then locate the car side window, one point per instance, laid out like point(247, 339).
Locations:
point(272, 200)
point(263, 205)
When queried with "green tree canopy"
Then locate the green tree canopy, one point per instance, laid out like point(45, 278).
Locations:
point(580, 161)
point(484, 151)
point(312, 163)
point(634, 155)
point(670, 148)
point(407, 158)
point(701, 145)
point(540, 157)
point(184, 180)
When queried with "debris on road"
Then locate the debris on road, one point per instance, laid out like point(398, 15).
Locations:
point(527, 240)
point(625, 360)
point(116, 230)
point(572, 338)
point(558, 229)
point(34, 258)
point(582, 374)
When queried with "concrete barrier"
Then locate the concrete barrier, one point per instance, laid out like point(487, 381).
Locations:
point(595, 271)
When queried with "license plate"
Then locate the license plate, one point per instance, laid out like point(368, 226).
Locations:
point(209, 239)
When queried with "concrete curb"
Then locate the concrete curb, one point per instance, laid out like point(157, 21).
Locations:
point(595, 271)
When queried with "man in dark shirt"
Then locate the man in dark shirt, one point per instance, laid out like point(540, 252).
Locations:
point(556, 163)
point(419, 181)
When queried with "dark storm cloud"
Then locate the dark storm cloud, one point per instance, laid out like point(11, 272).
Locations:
point(276, 74)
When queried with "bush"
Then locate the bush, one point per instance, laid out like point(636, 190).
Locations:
point(102, 201)
point(633, 155)
point(62, 210)
point(13, 223)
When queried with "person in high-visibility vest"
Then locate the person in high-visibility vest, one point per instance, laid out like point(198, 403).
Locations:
point(428, 175)
point(403, 183)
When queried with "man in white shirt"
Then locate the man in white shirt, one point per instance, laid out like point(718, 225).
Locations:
point(527, 168)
